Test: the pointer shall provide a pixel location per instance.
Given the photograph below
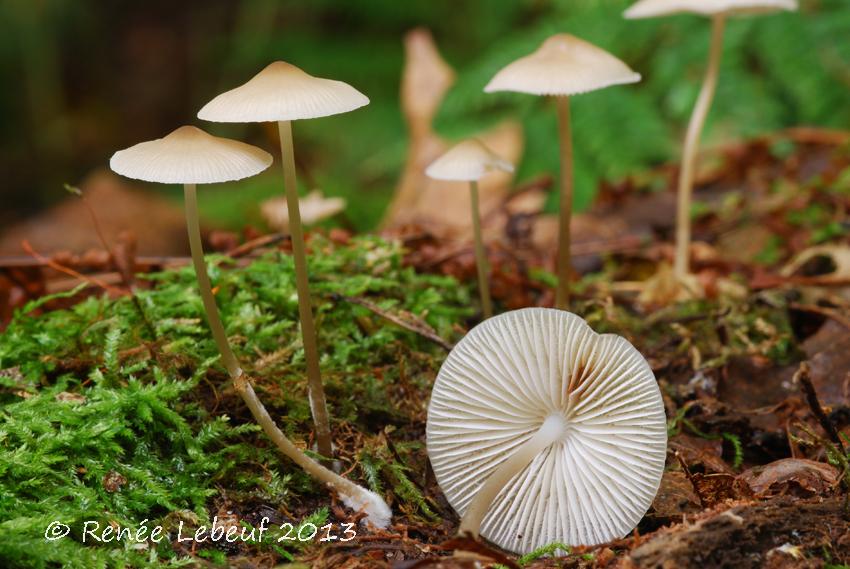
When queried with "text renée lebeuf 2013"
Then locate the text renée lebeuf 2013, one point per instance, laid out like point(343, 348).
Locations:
point(95, 532)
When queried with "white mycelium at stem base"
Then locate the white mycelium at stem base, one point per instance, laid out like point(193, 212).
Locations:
point(540, 430)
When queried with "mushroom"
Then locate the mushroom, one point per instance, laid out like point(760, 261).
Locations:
point(719, 10)
point(190, 156)
point(283, 93)
point(314, 207)
point(469, 161)
point(540, 430)
point(563, 66)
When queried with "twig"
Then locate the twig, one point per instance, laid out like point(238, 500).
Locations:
point(802, 376)
point(15, 262)
point(418, 326)
point(262, 241)
point(691, 479)
point(71, 272)
point(823, 311)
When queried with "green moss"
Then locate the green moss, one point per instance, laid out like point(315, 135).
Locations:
point(112, 413)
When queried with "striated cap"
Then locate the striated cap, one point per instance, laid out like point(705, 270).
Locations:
point(563, 65)
point(190, 156)
point(653, 8)
point(496, 389)
point(283, 92)
point(469, 160)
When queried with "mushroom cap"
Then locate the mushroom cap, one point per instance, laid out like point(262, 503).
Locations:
point(467, 161)
point(314, 207)
point(653, 8)
point(283, 92)
point(494, 391)
point(190, 156)
point(563, 65)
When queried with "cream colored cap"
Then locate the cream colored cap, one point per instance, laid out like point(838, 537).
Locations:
point(563, 65)
point(283, 92)
point(653, 8)
point(469, 160)
point(190, 156)
point(498, 386)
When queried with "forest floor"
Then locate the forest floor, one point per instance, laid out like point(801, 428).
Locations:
point(114, 409)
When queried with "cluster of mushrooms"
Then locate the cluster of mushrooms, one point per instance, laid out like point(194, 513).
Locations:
point(539, 430)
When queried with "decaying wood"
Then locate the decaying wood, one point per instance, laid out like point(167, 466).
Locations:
point(750, 535)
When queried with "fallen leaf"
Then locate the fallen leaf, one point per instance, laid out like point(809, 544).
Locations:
point(797, 476)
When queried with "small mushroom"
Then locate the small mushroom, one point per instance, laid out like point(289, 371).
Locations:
point(190, 156)
point(718, 10)
point(283, 93)
point(314, 207)
point(540, 431)
point(563, 66)
point(469, 161)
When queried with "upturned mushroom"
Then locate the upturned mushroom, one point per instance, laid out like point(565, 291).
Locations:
point(719, 11)
point(469, 161)
point(563, 66)
point(190, 156)
point(283, 93)
point(540, 430)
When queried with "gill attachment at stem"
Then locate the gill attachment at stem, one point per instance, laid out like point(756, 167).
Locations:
point(552, 429)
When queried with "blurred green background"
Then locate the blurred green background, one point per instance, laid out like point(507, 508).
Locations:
point(81, 79)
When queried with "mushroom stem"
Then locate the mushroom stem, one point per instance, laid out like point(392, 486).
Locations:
point(354, 496)
point(552, 429)
point(480, 253)
point(315, 388)
point(687, 171)
point(228, 359)
point(562, 295)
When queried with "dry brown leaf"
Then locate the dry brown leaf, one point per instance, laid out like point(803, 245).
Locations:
point(797, 476)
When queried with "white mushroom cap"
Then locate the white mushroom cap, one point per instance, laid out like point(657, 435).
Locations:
point(495, 390)
point(314, 207)
point(467, 161)
point(563, 65)
point(653, 8)
point(190, 156)
point(283, 92)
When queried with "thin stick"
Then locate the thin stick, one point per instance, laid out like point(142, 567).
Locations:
point(689, 154)
point(802, 376)
point(480, 253)
point(562, 295)
point(25, 245)
point(227, 357)
point(315, 388)
point(417, 326)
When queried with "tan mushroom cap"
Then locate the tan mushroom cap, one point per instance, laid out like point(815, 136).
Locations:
point(653, 8)
point(467, 161)
point(190, 156)
point(314, 207)
point(498, 386)
point(563, 65)
point(283, 92)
